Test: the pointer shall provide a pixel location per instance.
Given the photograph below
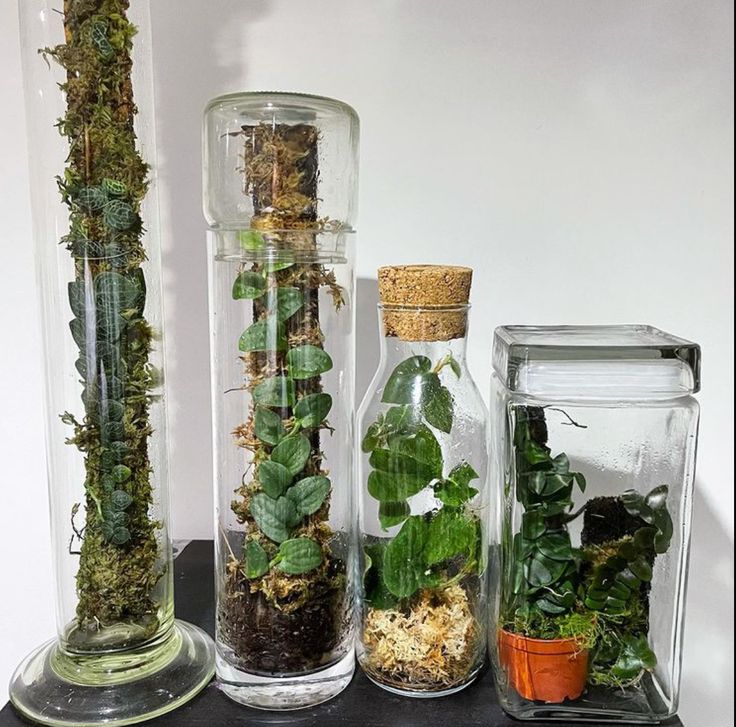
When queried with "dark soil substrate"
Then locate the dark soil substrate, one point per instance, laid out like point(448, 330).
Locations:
point(607, 520)
point(269, 642)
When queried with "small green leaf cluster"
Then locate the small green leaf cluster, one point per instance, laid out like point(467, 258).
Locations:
point(109, 201)
point(406, 458)
point(615, 580)
point(269, 334)
point(545, 568)
point(110, 331)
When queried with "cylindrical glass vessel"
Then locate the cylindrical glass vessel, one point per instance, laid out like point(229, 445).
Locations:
point(120, 656)
point(593, 461)
point(422, 480)
point(280, 196)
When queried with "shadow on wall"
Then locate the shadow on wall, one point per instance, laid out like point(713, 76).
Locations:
point(368, 348)
point(708, 622)
point(198, 54)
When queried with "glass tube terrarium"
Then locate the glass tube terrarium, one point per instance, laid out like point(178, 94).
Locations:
point(280, 178)
point(120, 656)
point(422, 478)
point(595, 434)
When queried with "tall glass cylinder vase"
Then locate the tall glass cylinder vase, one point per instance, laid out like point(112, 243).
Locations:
point(280, 183)
point(120, 656)
point(422, 477)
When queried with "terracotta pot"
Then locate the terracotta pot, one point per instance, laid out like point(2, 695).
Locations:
point(543, 670)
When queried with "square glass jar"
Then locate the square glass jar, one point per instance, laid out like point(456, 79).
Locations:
point(593, 460)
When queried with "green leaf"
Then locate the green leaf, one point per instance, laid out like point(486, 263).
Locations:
point(371, 439)
point(299, 555)
point(274, 478)
point(580, 479)
point(275, 518)
point(392, 487)
point(424, 448)
point(119, 215)
point(267, 426)
point(249, 285)
point(554, 483)
point(276, 265)
point(308, 495)
point(448, 534)
point(256, 560)
point(408, 381)
point(120, 536)
point(277, 391)
point(407, 468)
point(532, 525)
point(376, 593)
point(288, 301)
point(116, 292)
point(114, 411)
point(561, 464)
point(264, 335)
point(91, 199)
point(251, 240)
point(403, 562)
point(393, 513)
point(79, 332)
point(401, 420)
point(555, 546)
point(455, 366)
point(293, 453)
point(456, 490)
point(635, 656)
point(641, 569)
point(121, 473)
point(76, 291)
point(541, 571)
point(438, 408)
point(120, 500)
point(307, 361)
point(311, 410)
point(113, 188)
point(463, 474)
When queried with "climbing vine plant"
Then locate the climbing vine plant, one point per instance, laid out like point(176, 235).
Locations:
point(103, 186)
point(285, 496)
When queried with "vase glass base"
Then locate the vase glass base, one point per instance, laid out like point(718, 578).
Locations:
point(53, 688)
point(285, 693)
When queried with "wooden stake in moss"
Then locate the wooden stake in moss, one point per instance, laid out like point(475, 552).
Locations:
point(103, 185)
point(284, 610)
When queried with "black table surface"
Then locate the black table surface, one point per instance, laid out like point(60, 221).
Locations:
point(361, 704)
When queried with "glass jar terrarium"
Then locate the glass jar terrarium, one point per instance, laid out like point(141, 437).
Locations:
point(593, 459)
point(280, 197)
point(120, 657)
point(422, 477)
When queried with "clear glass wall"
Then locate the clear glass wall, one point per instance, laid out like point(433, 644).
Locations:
point(88, 76)
point(422, 483)
point(280, 174)
point(593, 460)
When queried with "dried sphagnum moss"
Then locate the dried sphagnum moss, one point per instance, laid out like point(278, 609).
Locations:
point(431, 646)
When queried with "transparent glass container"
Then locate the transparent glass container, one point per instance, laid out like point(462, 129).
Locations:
point(120, 656)
point(593, 460)
point(280, 174)
point(422, 482)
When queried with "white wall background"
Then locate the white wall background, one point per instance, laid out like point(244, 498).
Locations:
point(577, 154)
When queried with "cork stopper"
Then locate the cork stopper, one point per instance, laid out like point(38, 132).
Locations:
point(409, 293)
